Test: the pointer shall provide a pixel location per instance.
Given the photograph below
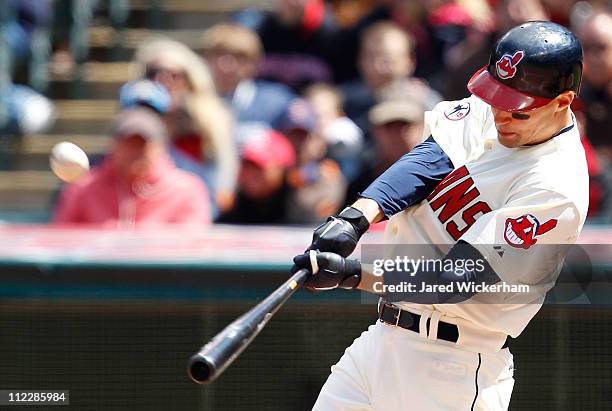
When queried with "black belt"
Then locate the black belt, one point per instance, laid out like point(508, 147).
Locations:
point(390, 314)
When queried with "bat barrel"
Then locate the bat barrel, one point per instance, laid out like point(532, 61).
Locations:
point(205, 366)
point(211, 361)
point(201, 370)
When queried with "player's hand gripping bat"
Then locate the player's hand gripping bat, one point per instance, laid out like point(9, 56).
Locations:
point(338, 234)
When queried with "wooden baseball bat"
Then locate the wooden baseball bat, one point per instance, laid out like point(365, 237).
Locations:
point(213, 358)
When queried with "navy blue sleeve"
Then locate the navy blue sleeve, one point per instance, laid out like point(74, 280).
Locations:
point(411, 179)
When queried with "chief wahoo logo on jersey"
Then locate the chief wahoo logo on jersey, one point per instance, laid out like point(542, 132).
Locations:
point(521, 232)
point(506, 65)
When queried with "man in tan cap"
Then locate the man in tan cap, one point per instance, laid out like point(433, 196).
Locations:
point(397, 127)
point(137, 183)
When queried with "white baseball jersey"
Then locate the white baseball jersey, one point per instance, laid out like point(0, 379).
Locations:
point(503, 201)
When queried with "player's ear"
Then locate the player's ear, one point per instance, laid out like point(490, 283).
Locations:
point(565, 99)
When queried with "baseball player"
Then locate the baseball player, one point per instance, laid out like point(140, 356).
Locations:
point(498, 173)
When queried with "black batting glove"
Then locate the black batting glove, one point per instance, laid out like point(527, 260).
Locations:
point(340, 234)
point(331, 271)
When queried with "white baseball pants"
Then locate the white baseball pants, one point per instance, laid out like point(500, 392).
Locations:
point(391, 368)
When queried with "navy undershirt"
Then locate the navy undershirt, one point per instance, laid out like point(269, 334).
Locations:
point(410, 179)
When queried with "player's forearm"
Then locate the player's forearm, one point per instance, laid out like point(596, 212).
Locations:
point(369, 282)
point(370, 209)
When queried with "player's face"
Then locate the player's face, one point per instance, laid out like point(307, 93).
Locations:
point(532, 127)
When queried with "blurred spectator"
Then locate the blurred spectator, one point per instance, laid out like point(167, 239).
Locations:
point(21, 20)
point(24, 111)
point(73, 19)
point(599, 186)
point(199, 124)
point(151, 94)
point(386, 57)
point(510, 13)
point(599, 183)
point(24, 34)
point(596, 37)
point(353, 17)
point(408, 15)
point(262, 188)
point(473, 53)
point(343, 138)
point(451, 24)
point(146, 93)
point(137, 183)
point(233, 54)
point(23, 42)
point(296, 36)
point(559, 10)
point(397, 127)
point(318, 186)
point(436, 27)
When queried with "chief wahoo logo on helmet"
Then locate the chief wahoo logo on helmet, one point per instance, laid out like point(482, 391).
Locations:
point(506, 66)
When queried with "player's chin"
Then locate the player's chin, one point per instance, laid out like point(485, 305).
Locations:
point(510, 140)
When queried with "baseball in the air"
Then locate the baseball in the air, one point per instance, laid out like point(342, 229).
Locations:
point(68, 161)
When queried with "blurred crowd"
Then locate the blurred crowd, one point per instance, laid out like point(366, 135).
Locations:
point(288, 113)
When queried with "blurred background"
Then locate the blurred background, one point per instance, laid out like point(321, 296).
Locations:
point(220, 133)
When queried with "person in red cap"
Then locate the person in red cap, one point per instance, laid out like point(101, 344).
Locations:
point(137, 184)
point(262, 189)
point(481, 215)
